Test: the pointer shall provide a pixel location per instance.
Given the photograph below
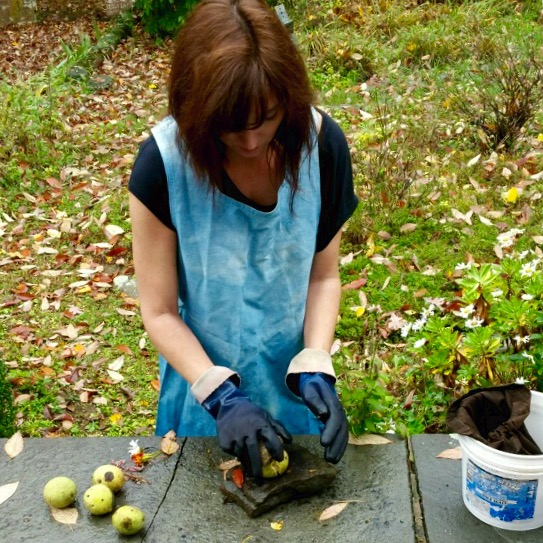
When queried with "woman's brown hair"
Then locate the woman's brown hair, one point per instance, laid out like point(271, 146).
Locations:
point(229, 57)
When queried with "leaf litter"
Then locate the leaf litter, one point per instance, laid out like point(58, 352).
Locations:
point(64, 243)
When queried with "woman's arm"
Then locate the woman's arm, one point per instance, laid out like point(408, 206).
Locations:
point(323, 298)
point(155, 261)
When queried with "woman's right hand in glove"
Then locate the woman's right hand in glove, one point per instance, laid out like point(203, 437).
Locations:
point(241, 424)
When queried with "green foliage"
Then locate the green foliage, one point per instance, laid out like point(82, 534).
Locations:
point(7, 409)
point(162, 18)
point(491, 334)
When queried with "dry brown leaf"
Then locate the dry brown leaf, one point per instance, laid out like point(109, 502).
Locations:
point(451, 454)
point(369, 439)
point(169, 444)
point(6, 491)
point(408, 227)
point(333, 510)
point(65, 516)
point(14, 445)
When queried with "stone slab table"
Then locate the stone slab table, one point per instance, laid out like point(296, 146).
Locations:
point(183, 503)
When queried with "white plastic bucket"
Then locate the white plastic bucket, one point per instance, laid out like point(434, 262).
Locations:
point(502, 489)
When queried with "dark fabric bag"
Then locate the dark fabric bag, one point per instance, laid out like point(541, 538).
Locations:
point(495, 416)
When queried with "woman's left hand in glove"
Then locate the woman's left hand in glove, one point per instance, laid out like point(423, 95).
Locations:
point(318, 392)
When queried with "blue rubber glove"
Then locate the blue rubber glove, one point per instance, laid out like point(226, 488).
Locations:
point(241, 424)
point(319, 394)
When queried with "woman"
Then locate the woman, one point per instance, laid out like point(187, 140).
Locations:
point(237, 203)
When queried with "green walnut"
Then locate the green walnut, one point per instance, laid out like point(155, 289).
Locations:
point(109, 475)
point(60, 492)
point(98, 499)
point(128, 520)
point(274, 468)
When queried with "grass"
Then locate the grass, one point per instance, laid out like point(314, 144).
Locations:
point(431, 189)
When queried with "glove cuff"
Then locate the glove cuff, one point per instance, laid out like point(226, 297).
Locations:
point(211, 380)
point(309, 361)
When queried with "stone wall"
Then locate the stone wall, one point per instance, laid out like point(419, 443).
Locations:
point(21, 11)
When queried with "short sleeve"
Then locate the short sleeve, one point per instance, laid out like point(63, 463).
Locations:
point(338, 199)
point(148, 182)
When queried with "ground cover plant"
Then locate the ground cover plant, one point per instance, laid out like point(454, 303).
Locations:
point(441, 264)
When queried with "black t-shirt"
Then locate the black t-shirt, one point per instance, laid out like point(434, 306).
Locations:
point(148, 182)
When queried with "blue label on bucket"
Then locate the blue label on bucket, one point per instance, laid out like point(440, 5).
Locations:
point(501, 498)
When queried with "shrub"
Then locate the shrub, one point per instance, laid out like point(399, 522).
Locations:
point(502, 98)
point(7, 409)
point(162, 18)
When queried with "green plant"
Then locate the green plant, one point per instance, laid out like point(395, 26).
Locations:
point(162, 18)
point(7, 409)
point(491, 334)
point(502, 98)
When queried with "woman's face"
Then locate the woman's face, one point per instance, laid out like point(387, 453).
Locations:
point(252, 142)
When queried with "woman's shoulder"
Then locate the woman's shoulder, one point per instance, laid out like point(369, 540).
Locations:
point(332, 141)
point(331, 134)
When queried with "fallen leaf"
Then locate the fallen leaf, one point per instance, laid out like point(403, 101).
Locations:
point(511, 196)
point(277, 525)
point(112, 230)
point(229, 464)
point(65, 516)
point(6, 491)
point(408, 227)
point(333, 510)
point(169, 444)
point(14, 445)
point(466, 217)
point(238, 477)
point(473, 161)
point(356, 284)
point(115, 375)
point(347, 259)
point(485, 221)
point(125, 312)
point(155, 383)
point(451, 454)
point(369, 439)
point(117, 364)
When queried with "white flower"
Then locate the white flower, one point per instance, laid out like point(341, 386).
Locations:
point(528, 356)
point(419, 324)
point(497, 293)
point(521, 381)
point(474, 323)
point(404, 332)
point(506, 239)
point(520, 339)
point(527, 297)
point(429, 311)
point(529, 268)
point(419, 343)
point(464, 265)
point(134, 448)
point(523, 255)
point(465, 312)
